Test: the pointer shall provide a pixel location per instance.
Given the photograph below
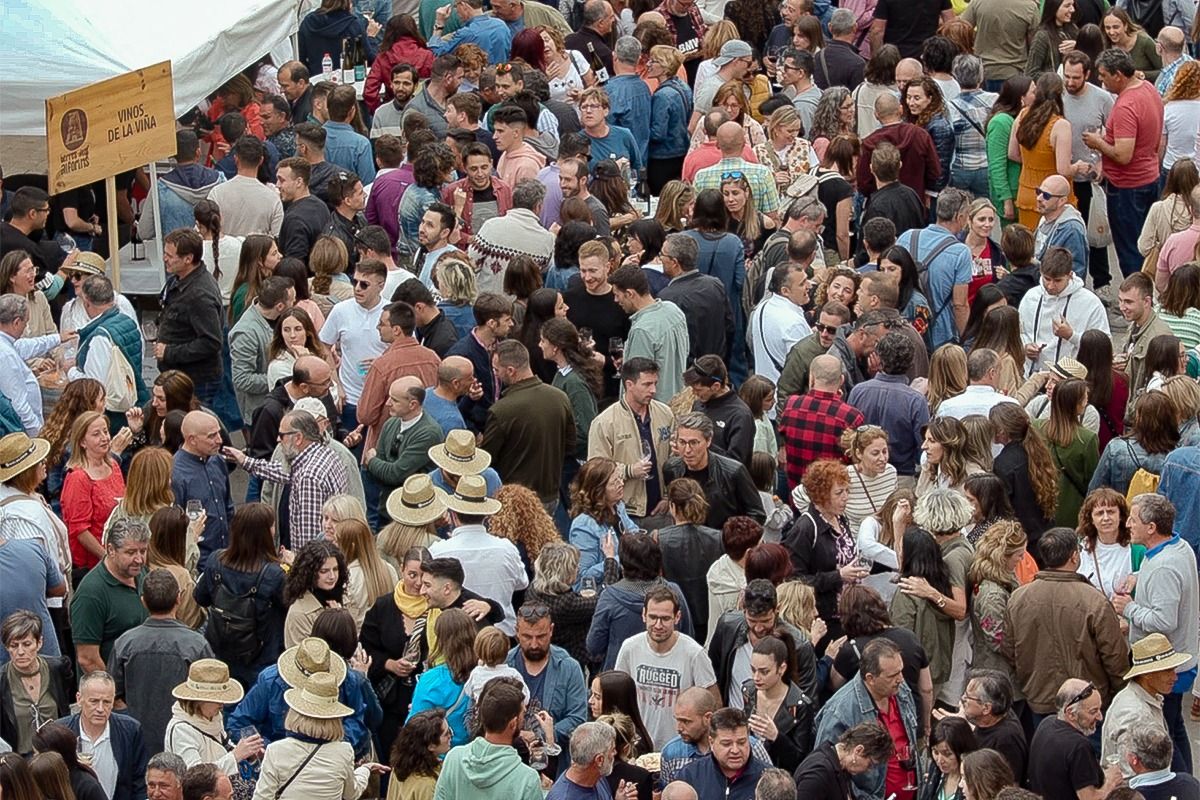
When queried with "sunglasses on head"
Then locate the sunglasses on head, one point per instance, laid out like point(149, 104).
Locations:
point(533, 612)
point(1084, 694)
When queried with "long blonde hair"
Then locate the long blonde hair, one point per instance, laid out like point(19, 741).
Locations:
point(947, 374)
point(1000, 542)
point(148, 487)
point(396, 539)
point(797, 604)
point(354, 537)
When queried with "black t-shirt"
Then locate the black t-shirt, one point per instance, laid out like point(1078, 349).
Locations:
point(82, 199)
point(1007, 738)
point(606, 319)
point(910, 22)
point(832, 189)
point(495, 615)
point(1061, 760)
point(686, 39)
point(911, 653)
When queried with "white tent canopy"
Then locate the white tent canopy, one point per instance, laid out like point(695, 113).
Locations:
point(54, 46)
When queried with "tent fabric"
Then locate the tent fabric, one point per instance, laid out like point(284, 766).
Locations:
point(54, 46)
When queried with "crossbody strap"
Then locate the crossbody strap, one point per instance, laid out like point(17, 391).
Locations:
point(279, 792)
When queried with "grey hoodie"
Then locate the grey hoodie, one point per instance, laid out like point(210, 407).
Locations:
point(486, 771)
point(726, 580)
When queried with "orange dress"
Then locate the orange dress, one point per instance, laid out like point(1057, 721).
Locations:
point(1036, 163)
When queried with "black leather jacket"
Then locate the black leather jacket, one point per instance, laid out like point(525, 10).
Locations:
point(794, 720)
point(726, 484)
point(732, 632)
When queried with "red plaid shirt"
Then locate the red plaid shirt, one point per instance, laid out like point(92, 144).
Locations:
point(812, 426)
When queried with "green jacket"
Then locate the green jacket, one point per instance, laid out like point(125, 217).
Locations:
point(1075, 464)
point(483, 769)
point(400, 454)
point(583, 402)
point(529, 431)
point(794, 378)
point(1004, 174)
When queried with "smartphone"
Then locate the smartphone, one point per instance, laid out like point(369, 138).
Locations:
point(749, 700)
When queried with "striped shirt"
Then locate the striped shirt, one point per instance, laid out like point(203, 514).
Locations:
point(867, 495)
point(1187, 327)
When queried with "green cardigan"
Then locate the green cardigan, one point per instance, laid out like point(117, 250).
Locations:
point(1004, 174)
point(1076, 464)
point(583, 403)
point(401, 454)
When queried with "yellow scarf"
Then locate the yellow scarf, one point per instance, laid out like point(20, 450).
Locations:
point(415, 607)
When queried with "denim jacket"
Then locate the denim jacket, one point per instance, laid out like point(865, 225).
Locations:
point(851, 705)
point(1121, 458)
point(670, 111)
point(1180, 483)
point(587, 533)
point(264, 708)
point(564, 692)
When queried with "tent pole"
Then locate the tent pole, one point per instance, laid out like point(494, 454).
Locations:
point(110, 193)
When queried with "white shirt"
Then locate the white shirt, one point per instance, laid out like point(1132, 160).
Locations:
point(1116, 564)
point(775, 325)
point(74, 317)
point(977, 399)
point(103, 762)
point(17, 382)
point(394, 278)
point(355, 332)
point(492, 567)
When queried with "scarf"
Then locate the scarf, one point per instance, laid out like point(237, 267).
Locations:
point(410, 606)
point(212, 729)
point(417, 609)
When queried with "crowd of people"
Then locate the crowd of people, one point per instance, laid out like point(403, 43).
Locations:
point(755, 416)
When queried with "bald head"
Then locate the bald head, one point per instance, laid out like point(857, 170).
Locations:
point(698, 700)
point(654, 18)
point(678, 790)
point(201, 434)
point(907, 71)
point(1056, 184)
point(887, 108)
point(825, 373)
point(311, 376)
point(406, 396)
point(1171, 40)
point(731, 138)
point(455, 374)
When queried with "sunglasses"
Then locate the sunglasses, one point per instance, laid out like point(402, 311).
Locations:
point(1047, 195)
point(735, 175)
point(533, 612)
point(823, 328)
point(363, 284)
point(1084, 694)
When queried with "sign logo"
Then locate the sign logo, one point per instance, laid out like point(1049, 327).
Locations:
point(74, 129)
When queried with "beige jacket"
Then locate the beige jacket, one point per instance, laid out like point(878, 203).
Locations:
point(614, 434)
point(1166, 216)
point(300, 618)
point(358, 600)
point(330, 775)
point(185, 737)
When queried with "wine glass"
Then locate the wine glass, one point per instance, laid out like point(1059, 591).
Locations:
point(616, 347)
point(84, 751)
point(587, 587)
point(194, 509)
point(150, 331)
point(907, 763)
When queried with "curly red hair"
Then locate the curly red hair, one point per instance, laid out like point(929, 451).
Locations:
point(821, 477)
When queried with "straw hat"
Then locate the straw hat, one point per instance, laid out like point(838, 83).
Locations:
point(208, 681)
point(86, 264)
point(318, 699)
point(18, 453)
point(459, 455)
point(417, 503)
point(1067, 368)
point(1154, 653)
point(311, 657)
point(470, 497)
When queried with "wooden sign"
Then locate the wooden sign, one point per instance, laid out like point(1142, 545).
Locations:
point(110, 127)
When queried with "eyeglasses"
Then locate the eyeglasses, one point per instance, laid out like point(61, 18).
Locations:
point(1084, 694)
point(1047, 195)
point(972, 699)
point(284, 434)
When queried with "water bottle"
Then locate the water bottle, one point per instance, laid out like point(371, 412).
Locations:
point(327, 66)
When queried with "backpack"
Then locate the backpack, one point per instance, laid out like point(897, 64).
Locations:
point(233, 620)
point(756, 270)
point(1143, 481)
point(923, 279)
point(120, 388)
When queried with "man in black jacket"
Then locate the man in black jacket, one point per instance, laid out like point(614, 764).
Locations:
point(305, 217)
point(121, 765)
point(726, 483)
point(733, 423)
point(434, 329)
point(191, 327)
point(311, 377)
point(700, 297)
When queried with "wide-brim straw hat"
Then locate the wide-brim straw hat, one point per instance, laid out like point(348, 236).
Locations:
point(1154, 653)
point(318, 699)
point(417, 503)
point(470, 497)
point(458, 455)
point(311, 657)
point(18, 453)
point(208, 681)
point(86, 264)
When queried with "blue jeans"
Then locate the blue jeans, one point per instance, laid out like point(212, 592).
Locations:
point(974, 181)
point(1127, 210)
point(1181, 759)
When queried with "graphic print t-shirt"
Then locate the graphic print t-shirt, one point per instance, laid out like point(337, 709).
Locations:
point(660, 679)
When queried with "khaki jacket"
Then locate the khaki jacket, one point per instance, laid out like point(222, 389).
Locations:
point(330, 775)
point(1057, 627)
point(614, 434)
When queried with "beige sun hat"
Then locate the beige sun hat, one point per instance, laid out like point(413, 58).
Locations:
point(18, 453)
point(1154, 653)
point(86, 264)
point(311, 657)
point(418, 502)
point(470, 497)
point(208, 681)
point(1067, 368)
point(318, 699)
point(458, 455)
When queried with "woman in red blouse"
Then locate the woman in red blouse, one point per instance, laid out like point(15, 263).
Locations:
point(90, 491)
